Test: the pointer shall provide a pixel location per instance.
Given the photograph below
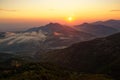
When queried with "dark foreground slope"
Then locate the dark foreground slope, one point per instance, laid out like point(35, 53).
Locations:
point(96, 56)
point(16, 69)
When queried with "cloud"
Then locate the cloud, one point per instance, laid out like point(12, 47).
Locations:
point(117, 10)
point(8, 10)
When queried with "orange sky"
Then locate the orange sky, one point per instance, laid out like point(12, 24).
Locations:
point(39, 12)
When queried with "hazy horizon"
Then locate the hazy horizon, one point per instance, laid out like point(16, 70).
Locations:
point(24, 14)
point(4, 27)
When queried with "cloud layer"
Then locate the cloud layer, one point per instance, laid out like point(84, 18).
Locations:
point(7, 10)
point(117, 10)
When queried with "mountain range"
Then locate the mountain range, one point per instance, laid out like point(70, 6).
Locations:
point(50, 36)
point(54, 36)
point(89, 51)
point(111, 23)
point(98, 30)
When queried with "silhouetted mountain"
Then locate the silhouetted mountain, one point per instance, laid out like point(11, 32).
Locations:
point(111, 23)
point(56, 29)
point(50, 36)
point(89, 60)
point(65, 35)
point(99, 30)
point(97, 56)
point(52, 27)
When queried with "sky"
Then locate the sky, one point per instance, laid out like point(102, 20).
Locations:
point(23, 14)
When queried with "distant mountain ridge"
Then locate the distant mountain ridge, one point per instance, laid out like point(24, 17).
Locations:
point(50, 36)
point(111, 23)
point(101, 28)
point(90, 48)
point(53, 36)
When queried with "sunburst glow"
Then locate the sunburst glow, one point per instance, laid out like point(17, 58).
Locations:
point(39, 12)
point(70, 19)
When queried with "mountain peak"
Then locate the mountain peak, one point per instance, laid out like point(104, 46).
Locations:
point(84, 24)
point(53, 24)
point(111, 20)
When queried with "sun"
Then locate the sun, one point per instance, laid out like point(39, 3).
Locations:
point(70, 19)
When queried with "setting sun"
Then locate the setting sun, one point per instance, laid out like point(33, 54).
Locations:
point(70, 19)
point(27, 13)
